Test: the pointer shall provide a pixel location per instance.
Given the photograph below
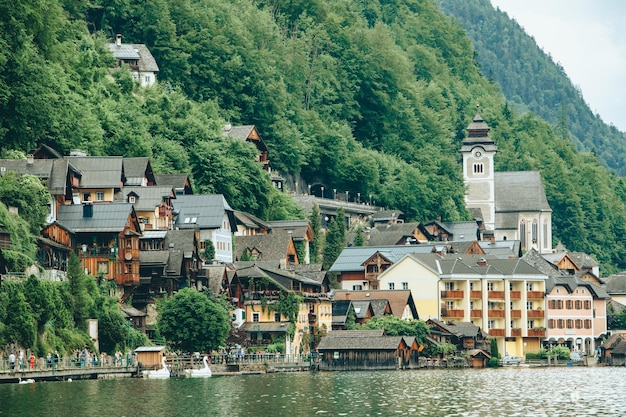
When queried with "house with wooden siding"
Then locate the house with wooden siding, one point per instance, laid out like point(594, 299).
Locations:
point(179, 182)
point(384, 302)
point(154, 205)
point(104, 236)
point(138, 58)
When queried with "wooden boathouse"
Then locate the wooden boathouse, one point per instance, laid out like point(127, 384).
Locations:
point(351, 350)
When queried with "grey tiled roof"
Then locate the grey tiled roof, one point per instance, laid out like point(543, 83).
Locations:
point(539, 261)
point(207, 210)
point(583, 260)
point(387, 215)
point(250, 221)
point(106, 217)
point(238, 132)
point(148, 198)
point(459, 329)
point(357, 333)
point(463, 231)
point(135, 51)
point(298, 228)
point(272, 247)
point(124, 51)
point(616, 283)
point(176, 181)
point(391, 234)
point(398, 299)
point(99, 171)
point(520, 191)
point(180, 245)
point(136, 169)
point(352, 258)
point(146, 61)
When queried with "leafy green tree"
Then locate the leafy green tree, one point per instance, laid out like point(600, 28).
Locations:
point(29, 195)
point(315, 220)
point(395, 326)
point(39, 297)
point(494, 348)
point(209, 250)
point(335, 239)
point(191, 321)
point(81, 300)
point(358, 237)
point(20, 325)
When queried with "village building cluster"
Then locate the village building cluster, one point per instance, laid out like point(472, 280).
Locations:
point(495, 277)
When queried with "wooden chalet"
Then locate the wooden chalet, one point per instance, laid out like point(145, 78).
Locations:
point(104, 236)
point(300, 231)
point(250, 225)
point(478, 358)
point(137, 172)
point(437, 230)
point(249, 133)
point(153, 205)
point(618, 354)
point(397, 302)
point(396, 234)
point(360, 350)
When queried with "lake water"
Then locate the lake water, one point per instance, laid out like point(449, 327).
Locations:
point(510, 391)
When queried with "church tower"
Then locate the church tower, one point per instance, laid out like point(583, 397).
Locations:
point(478, 151)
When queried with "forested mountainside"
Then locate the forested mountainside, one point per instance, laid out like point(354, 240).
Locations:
point(368, 96)
point(532, 81)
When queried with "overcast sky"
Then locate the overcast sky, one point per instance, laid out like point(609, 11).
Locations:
point(588, 39)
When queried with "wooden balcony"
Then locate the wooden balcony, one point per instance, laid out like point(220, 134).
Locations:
point(458, 294)
point(535, 314)
point(516, 314)
point(476, 295)
point(496, 332)
point(452, 313)
point(536, 333)
point(535, 295)
point(496, 313)
point(495, 295)
point(476, 314)
point(515, 295)
point(516, 332)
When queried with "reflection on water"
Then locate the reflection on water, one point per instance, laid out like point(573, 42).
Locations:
point(511, 392)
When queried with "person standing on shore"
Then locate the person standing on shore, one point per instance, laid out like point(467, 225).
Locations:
point(12, 361)
point(32, 361)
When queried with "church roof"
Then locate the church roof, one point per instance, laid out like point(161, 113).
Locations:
point(478, 134)
point(520, 191)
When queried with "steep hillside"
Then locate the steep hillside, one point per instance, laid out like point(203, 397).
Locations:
point(361, 95)
point(533, 81)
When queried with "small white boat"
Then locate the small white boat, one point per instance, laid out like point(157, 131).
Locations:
point(200, 373)
point(162, 373)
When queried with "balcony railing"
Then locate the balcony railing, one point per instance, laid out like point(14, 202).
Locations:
point(534, 295)
point(474, 295)
point(498, 295)
point(476, 314)
point(496, 313)
point(535, 314)
point(496, 332)
point(536, 333)
point(452, 294)
point(515, 295)
point(516, 314)
point(452, 313)
point(516, 332)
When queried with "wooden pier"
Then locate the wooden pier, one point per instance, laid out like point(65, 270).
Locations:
point(63, 374)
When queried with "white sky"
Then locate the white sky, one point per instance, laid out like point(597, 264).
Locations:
point(588, 39)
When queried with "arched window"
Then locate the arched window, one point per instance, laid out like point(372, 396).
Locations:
point(544, 237)
point(534, 232)
point(522, 233)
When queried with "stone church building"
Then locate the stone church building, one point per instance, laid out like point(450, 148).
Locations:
point(510, 205)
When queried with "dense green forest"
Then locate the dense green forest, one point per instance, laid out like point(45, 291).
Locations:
point(532, 81)
point(370, 96)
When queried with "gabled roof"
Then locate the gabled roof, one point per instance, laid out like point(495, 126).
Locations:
point(458, 329)
point(299, 229)
point(99, 171)
point(341, 308)
point(387, 215)
point(245, 132)
point(271, 247)
point(616, 283)
point(146, 60)
point(135, 51)
point(136, 169)
point(106, 218)
point(361, 308)
point(351, 258)
point(572, 282)
point(181, 245)
point(620, 348)
point(251, 221)
point(203, 212)
point(502, 248)
point(525, 183)
point(541, 263)
point(583, 260)
point(280, 278)
point(179, 182)
point(392, 234)
point(148, 198)
point(311, 271)
point(398, 299)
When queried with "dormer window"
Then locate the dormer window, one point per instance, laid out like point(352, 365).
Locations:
point(132, 199)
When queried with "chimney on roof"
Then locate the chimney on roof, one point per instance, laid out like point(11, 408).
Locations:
point(30, 159)
point(228, 127)
point(87, 209)
point(118, 40)
point(482, 262)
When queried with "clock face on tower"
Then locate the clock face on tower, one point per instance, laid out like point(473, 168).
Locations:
point(478, 154)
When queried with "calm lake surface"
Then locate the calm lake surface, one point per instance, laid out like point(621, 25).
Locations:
point(490, 392)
